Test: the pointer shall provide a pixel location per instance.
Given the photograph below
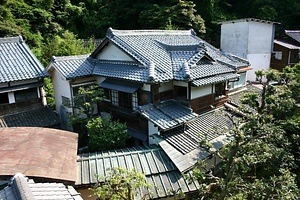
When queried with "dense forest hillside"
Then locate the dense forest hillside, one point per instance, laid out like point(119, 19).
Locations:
point(48, 26)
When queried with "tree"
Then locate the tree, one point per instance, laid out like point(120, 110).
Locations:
point(84, 105)
point(120, 184)
point(106, 134)
point(260, 161)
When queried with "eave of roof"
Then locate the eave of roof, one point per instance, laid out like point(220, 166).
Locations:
point(295, 34)
point(287, 44)
point(167, 114)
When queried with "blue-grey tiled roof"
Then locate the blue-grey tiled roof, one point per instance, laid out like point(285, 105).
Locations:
point(73, 66)
point(167, 114)
point(149, 160)
point(17, 62)
point(186, 138)
point(160, 56)
point(125, 70)
point(174, 54)
point(214, 79)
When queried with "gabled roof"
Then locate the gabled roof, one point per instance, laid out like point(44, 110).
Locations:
point(38, 152)
point(20, 187)
point(167, 114)
point(17, 62)
point(181, 144)
point(295, 34)
point(72, 66)
point(158, 56)
point(150, 160)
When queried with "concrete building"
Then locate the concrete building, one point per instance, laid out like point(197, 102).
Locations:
point(251, 39)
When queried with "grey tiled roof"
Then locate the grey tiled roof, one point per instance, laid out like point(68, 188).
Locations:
point(17, 62)
point(235, 96)
point(167, 114)
point(160, 56)
point(20, 187)
point(187, 137)
point(121, 70)
point(37, 117)
point(150, 160)
point(181, 144)
point(170, 51)
point(73, 66)
point(214, 79)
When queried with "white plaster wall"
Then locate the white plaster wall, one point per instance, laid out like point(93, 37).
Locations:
point(61, 88)
point(260, 38)
point(200, 91)
point(11, 97)
point(111, 52)
point(152, 130)
point(166, 86)
point(146, 87)
point(234, 38)
point(258, 61)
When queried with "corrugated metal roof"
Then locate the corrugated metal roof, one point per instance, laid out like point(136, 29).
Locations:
point(150, 160)
point(167, 114)
point(20, 187)
point(17, 62)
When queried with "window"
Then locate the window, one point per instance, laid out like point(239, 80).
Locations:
point(125, 100)
point(24, 95)
point(106, 94)
point(278, 55)
point(241, 82)
point(4, 98)
point(65, 101)
point(220, 89)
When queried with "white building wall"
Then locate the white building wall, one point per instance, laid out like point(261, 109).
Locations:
point(11, 97)
point(166, 86)
point(61, 88)
point(258, 62)
point(234, 38)
point(111, 52)
point(252, 40)
point(197, 92)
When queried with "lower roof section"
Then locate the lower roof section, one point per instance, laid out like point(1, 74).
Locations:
point(44, 153)
point(150, 160)
point(122, 86)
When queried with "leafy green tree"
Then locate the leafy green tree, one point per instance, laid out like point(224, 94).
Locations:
point(106, 134)
point(260, 161)
point(120, 184)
